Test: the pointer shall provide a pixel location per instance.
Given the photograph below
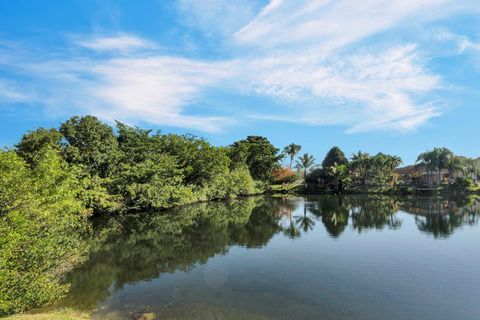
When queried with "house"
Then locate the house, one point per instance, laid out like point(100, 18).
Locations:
point(419, 175)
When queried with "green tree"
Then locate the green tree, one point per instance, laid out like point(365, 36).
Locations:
point(292, 150)
point(42, 223)
point(152, 184)
point(454, 164)
point(360, 166)
point(340, 175)
point(434, 161)
point(91, 144)
point(334, 156)
point(34, 141)
point(137, 144)
point(305, 162)
point(258, 154)
point(471, 167)
point(199, 160)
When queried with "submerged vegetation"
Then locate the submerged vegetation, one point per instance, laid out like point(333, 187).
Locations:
point(53, 180)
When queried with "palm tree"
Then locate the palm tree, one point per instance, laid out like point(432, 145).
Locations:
point(292, 150)
point(304, 163)
point(426, 159)
point(338, 173)
point(360, 164)
point(435, 161)
point(444, 157)
point(471, 168)
point(455, 164)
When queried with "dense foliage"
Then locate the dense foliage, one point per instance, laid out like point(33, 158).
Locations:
point(54, 179)
point(132, 168)
point(42, 221)
point(258, 154)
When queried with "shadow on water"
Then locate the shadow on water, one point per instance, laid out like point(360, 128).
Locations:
point(139, 247)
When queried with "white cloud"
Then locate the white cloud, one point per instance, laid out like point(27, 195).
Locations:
point(333, 24)
point(379, 87)
point(126, 86)
point(306, 55)
point(155, 89)
point(462, 42)
point(217, 17)
point(11, 93)
point(122, 42)
point(312, 55)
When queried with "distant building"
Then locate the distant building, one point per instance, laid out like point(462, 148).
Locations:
point(418, 175)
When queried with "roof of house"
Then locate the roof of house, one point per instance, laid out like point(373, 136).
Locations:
point(408, 169)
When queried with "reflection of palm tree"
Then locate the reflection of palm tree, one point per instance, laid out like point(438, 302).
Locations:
point(292, 231)
point(304, 222)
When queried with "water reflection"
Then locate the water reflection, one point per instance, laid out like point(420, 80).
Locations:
point(137, 247)
point(132, 248)
point(441, 217)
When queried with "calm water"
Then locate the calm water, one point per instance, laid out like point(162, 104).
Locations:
point(297, 258)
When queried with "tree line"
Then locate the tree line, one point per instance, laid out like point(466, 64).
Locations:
point(133, 168)
point(54, 179)
point(363, 172)
point(337, 173)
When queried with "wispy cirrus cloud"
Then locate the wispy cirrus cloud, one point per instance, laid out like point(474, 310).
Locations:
point(11, 93)
point(309, 57)
point(463, 43)
point(312, 56)
point(122, 42)
point(124, 85)
point(381, 87)
point(332, 24)
point(217, 17)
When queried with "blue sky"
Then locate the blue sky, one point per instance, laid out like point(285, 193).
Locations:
point(395, 76)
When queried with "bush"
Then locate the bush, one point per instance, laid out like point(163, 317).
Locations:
point(462, 184)
point(241, 182)
point(153, 184)
point(316, 175)
point(41, 222)
point(284, 175)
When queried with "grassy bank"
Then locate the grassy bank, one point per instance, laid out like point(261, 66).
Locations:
point(63, 314)
point(298, 188)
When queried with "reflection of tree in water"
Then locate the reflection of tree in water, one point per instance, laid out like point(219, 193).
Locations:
point(441, 217)
point(364, 212)
point(334, 215)
point(374, 213)
point(140, 247)
point(305, 222)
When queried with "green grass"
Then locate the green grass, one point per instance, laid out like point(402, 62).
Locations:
point(285, 188)
point(63, 314)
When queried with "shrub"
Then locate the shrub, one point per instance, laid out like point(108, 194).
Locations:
point(42, 222)
point(462, 184)
point(284, 175)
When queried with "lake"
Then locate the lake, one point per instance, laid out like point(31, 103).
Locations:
point(319, 257)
